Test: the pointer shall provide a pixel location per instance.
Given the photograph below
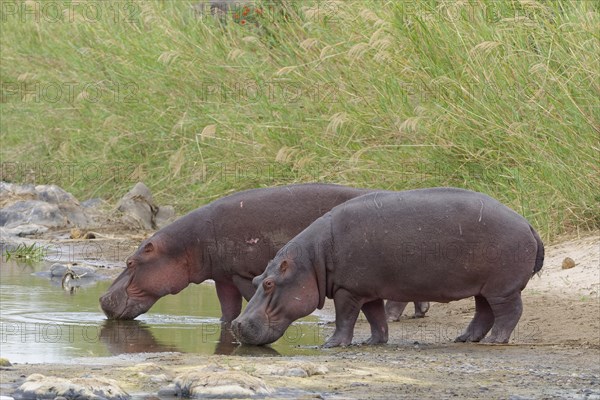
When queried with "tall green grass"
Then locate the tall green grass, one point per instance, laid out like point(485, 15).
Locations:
point(496, 96)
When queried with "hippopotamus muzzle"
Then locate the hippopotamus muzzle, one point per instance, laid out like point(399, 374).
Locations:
point(118, 304)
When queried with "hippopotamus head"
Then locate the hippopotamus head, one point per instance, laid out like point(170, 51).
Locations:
point(286, 291)
point(160, 266)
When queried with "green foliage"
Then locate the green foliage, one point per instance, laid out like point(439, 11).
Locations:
point(26, 253)
point(495, 96)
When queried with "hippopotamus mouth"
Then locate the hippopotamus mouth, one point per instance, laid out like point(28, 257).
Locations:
point(117, 303)
point(123, 310)
point(258, 331)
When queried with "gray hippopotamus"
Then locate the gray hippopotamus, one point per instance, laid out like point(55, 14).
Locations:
point(230, 240)
point(437, 244)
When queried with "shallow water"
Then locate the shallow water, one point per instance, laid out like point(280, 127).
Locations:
point(40, 322)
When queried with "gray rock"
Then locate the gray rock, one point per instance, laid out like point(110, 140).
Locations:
point(164, 216)
point(138, 207)
point(54, 195)
point(38, 386)
point(141, 211)
point(26, 212)
point(42, 205)
point(92, 203)
point(60, 269)
point(22, 230)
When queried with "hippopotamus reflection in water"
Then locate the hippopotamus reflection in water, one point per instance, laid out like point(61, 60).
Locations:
point(230, 240)
point(438, 244)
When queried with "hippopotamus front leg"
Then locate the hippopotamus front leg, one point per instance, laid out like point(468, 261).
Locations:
point(375, 313)
point(230, 299)
point(347, 308)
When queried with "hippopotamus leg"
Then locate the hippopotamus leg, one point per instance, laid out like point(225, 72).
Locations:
point(230, 295)
point(347, 308)
point(481, 324)
point(230, 299)
point(375, 313)
point(507, 312)
point(394, 309)
point(421, 307)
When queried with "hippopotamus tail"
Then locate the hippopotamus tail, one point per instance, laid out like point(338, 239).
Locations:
point(539, 257)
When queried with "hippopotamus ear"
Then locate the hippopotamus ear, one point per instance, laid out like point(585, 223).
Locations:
point(283, 266)
point(148, 247)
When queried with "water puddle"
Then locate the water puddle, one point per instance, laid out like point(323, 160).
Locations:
point(40, 322)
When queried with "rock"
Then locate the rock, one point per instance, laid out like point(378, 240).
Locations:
point(568, 263)
point(140, 210)
point(297, 369)
point(217, 382)
point(54, 195)
point(6, 398)
point(4, 362)
point(25, 208)
point(25, 212)
point(60, 269)
point(22, 231)
point(38, 386)
point(152, 372)
point(93, 203)
point(164, 216)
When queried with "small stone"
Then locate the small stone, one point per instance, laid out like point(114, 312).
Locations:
point(568, 263)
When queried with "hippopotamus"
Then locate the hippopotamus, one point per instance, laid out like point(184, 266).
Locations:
point(394, 309)
point(229, 240)
point(436, 244)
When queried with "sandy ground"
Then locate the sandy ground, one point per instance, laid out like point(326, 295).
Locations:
point(554, 352)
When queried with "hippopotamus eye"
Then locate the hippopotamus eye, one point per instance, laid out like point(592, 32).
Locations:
point(268, 285)
point(129, 263)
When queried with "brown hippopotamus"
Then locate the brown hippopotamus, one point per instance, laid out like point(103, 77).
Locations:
point(230, 240)
point(437, 244)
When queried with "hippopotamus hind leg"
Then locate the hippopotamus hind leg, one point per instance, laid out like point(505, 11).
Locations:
point(375, 313)
point(481, 324)
point(421, 307)
point(347, 308)
point(394, 309)
point(507, 312)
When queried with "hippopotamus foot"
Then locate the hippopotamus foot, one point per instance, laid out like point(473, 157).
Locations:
point(375, 313)
point(481, 324)
point(421, 307)
point(347, 308)
point(507, 312)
